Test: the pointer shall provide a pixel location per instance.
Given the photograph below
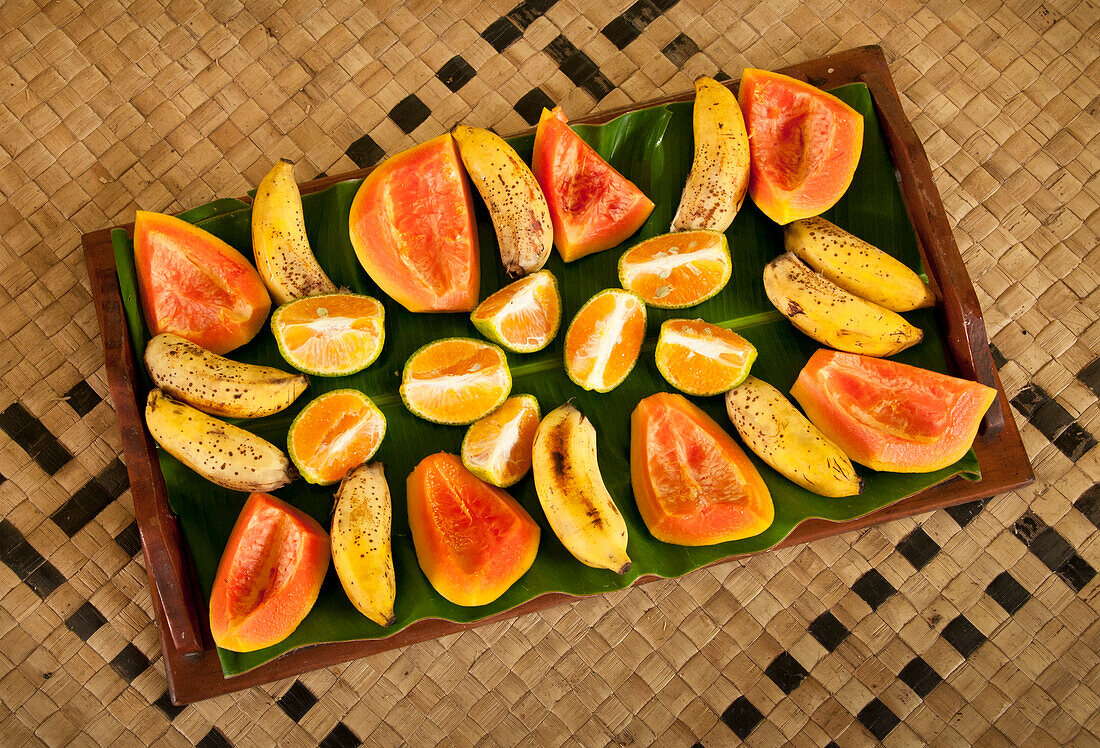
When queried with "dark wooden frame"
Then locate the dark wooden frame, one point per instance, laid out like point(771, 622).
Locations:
point(191, 662)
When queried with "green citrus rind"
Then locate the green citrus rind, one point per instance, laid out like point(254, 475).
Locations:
point(307, 473)
point(353, 368)
point(491, 331)
point(569, 370)
point(490, 477)
point(421, 413)
point(656, 303)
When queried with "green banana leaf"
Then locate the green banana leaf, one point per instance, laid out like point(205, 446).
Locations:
point(653, 148)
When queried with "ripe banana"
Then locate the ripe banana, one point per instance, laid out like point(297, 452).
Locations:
point(279, 242)
point(216, 385)
point(361, 549)
point(224, 454)
point(831, 315)
point(518, 208)
point(572, 493)
point(856, 266)
point(785, 439)
point(719, 176)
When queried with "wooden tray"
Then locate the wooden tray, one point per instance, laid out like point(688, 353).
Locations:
point(191, 662)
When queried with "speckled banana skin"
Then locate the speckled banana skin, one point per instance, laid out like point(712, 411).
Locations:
point(516, 204)
point(279, 242)
point(719, 176)
point(785, 439)
point(831, 315)
point(222, 453)
point(217, 385)
point(361, 549)
point(572, 492)
point(856, 266)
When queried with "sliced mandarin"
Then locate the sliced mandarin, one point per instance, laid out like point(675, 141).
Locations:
point(334, 433)
point(523, 316)
point(497, 448)
point(331, 335)
point(702, 359)
point(673, 271)
point(455, 381)
point(604, 339)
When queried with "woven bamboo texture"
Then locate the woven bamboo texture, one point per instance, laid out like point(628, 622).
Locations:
point(976, 625)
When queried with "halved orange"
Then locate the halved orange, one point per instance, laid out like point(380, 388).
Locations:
point(455, 381)
point(334, 433)
point(497, 448)
point(330, 335)
point(702, 359)
point(673, 271)
point(603, 340)
point(523, 316)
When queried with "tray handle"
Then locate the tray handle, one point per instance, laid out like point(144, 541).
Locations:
point(966, 334)
point(169, 571)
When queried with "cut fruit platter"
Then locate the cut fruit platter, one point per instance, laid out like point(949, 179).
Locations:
point(613, 499)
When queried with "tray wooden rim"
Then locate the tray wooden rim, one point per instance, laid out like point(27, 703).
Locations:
point(191, 664)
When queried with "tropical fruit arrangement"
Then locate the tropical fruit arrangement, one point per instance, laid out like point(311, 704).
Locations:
point(412, 226)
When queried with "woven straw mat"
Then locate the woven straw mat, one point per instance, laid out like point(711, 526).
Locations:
point(975, 625)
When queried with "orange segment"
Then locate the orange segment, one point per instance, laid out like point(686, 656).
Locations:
point(702, 359)
point(603, 340)
point(523, 316)
point(334, 433)
point(673, 271)
point(330, 335)
point(497, 448)
point(455, 381)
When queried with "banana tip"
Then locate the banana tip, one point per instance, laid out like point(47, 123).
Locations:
point(624, 568)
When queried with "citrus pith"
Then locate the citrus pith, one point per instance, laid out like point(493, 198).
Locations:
point(330, 335)
point(497, 448)
point(334, 433)
point(455, 381)
point(702, 359)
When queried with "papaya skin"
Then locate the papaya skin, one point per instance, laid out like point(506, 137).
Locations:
point(412, 227)
point(561, 159)
point(805, 145)
point(195, 285)
point(720, 499)
point(269, 575)
point(451, 513)
point(825, 388)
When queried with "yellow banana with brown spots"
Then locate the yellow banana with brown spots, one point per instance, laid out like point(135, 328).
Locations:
point(831, 315)
point(856, 266)
point(279, 242)
point(361, 549)
point(516, 204)
point(217, 385)
point(572, 492)
point(719, 176)
point(224, 454)
point(785, 439)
